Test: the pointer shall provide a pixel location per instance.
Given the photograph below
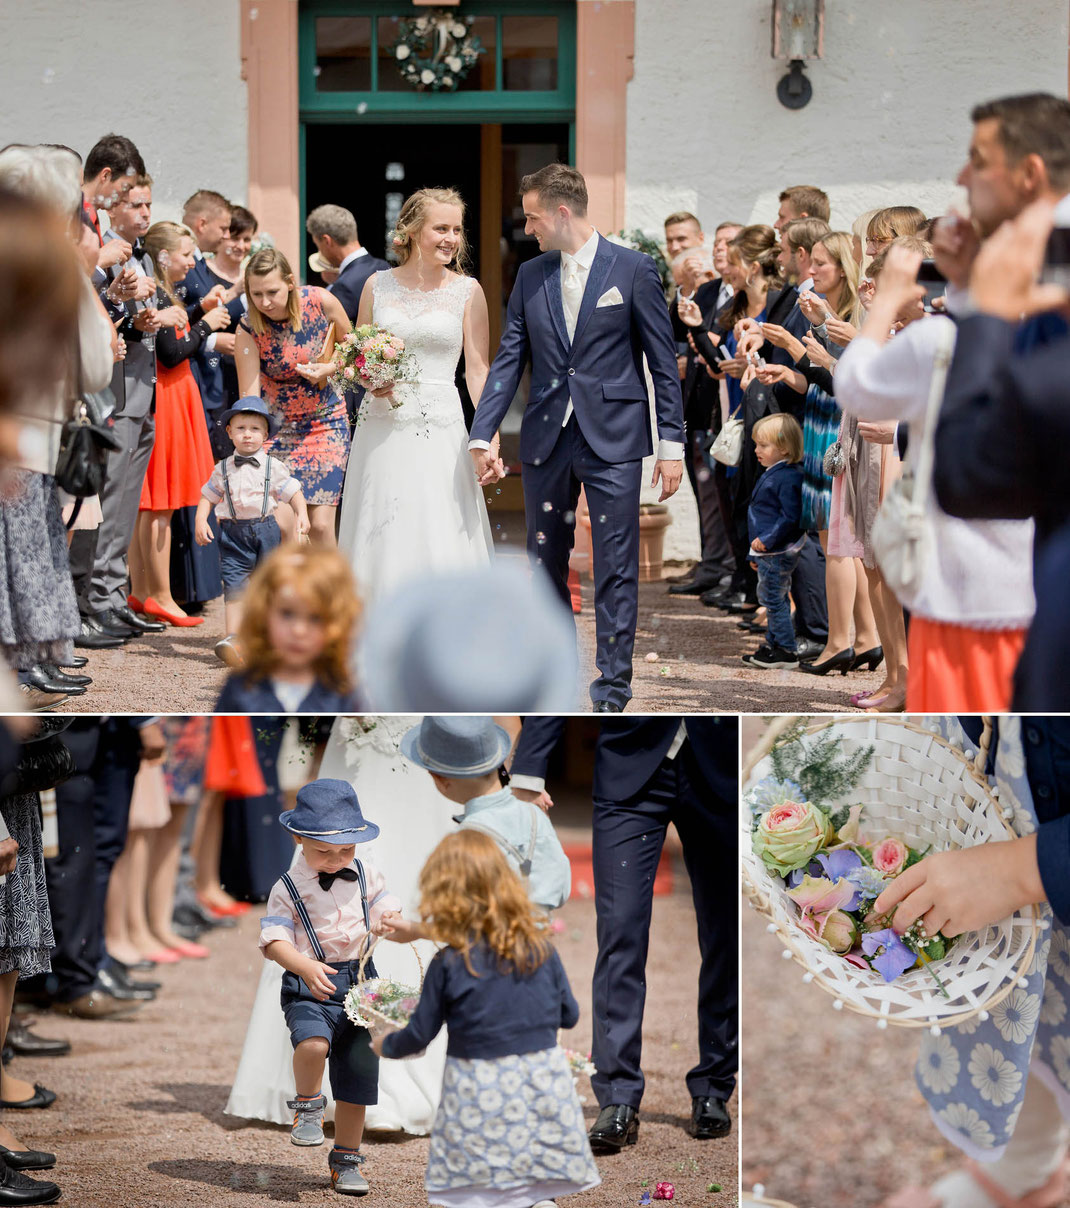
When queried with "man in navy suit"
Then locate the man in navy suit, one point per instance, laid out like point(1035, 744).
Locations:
point(649, 772)
point(334, 232)
point(584, 314)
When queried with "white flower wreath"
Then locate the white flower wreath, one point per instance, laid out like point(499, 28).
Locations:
point(436, 50)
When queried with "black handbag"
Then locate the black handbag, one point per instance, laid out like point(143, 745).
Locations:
point(84, 446)
point(44, 761)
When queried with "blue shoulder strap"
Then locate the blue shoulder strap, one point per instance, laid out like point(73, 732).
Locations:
point(302, 914)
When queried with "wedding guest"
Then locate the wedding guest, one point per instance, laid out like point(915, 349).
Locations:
point(502, 993)
point(320, 920)
point(334, 232)
point(277, 348)
point(649, 772)
point(207, 214)
point(298, 623)
point(38, 609)
point(801, 201)
point(227, 268)
point(111, 167)
point(181, 457)
point(891, 223)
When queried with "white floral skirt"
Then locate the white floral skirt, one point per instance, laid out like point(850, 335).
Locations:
point(506, 1126)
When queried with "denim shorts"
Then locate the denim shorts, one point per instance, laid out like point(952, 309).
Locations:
point(352, 1067)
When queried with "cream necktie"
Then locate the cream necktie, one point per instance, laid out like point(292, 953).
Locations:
point(572, 293)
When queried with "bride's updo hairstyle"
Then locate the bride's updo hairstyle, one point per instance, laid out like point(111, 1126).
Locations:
point(411, 222)
point(261, 264)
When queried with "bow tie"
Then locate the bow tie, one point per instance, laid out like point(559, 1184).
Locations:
point(245, 461)
point(327, 879)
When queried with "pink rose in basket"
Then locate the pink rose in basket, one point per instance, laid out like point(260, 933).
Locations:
point(823, 918)
point(789, 835)
point(408, 1004)
point(889, 856)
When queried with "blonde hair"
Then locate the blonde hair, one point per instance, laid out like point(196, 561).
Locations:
point(261, 264)
point(840, 247)
point(413, 216)
point(164, 237)
point(913, 243)
point(470, 895)
point(893, 221)
point(782, 430)
point(322, 578)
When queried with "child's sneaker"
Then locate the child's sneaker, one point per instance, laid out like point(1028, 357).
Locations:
point(346, 1178)
point(768, 657)
point(308, 1120)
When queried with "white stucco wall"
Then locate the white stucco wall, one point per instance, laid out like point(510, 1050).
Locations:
point(166, 73)
point(888, 122)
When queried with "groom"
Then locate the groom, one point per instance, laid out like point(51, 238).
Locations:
point(585, 313)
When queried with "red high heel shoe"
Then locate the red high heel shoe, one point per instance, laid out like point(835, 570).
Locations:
point(222, 912)
point(152, 609)
point(135, 604)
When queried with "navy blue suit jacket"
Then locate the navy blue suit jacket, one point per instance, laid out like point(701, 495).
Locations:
point(350, 284)
point(243, 695)
point(601, 369)
point(630, 751)
point(775, 508)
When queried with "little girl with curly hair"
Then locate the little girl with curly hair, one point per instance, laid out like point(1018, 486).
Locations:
point(509, 1131)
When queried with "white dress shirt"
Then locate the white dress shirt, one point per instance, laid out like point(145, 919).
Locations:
point(247, 487)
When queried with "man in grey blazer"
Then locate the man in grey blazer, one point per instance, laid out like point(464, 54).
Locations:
point(98, 557)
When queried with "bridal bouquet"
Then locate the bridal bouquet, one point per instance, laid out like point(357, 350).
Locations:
point(372, 357)
point(835, 874)
point(380, 1000)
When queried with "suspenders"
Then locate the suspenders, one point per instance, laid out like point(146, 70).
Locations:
point(267, 490)
point(306, 922)
point(523, 860)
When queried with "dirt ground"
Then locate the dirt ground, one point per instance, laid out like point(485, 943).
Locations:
point(139, 1121)
point(697, 667)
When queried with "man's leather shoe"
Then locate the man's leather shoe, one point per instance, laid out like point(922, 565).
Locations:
point(138, 624)
point(38, 677)
point(77, 661)
point(694, 587)
point(709, 1118)
point(114, 624)
point(97, 1003)
point(715, 596)
point(740, 607)
point(807, 649)
point(122, 975)
point(617, 1125)
point(730, 598)
point(18, 1188)
point(37, 701)
point(68, 678)
point(605, 706)
point(107, 979)
point(25, 1043)
point(96, 635)
point(27, 1159)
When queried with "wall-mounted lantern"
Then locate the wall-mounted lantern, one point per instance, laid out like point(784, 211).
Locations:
point(798, 35)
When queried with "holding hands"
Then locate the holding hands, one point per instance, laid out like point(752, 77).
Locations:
point(488, 465)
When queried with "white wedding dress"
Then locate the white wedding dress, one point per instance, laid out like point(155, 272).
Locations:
point(413, 816)
point(411, 504)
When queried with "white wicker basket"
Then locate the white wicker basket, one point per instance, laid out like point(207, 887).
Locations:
point(363, 1014)
point(924, 790)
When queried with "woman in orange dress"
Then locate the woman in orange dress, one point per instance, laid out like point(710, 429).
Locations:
point(181, 461)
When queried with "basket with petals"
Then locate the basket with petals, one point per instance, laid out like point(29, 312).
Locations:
point(373, 1002)
point(934, 796)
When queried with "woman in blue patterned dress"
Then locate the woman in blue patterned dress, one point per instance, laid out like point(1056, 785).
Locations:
point(277, 348)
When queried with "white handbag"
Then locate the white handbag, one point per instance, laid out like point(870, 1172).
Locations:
point(727, 447)
point(902, 531)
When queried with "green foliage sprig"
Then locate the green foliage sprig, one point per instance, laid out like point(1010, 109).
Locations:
point(819, 764)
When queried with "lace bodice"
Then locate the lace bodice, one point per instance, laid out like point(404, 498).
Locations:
point(431, 322)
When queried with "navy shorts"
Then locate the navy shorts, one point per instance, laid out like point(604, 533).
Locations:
point(352, 1067)
point(242, 544)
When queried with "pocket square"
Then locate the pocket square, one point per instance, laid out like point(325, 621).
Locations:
point(612, 297)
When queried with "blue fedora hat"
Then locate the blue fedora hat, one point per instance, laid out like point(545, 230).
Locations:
point(253, 406)
point(493, 640)
point(457, 746)
point(329, 810)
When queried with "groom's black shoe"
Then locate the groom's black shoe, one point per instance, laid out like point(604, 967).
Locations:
point(605, 706)
point(617, 1125)
point(709, 1118)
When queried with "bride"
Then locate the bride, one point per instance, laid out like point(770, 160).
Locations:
point(413, 817)
point(411, 503)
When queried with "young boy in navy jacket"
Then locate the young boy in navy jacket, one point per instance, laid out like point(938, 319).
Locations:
point(774, 525)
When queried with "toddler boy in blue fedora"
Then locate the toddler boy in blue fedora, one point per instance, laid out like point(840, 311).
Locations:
point(244, 490)
point(321, 917)
point(463, 755)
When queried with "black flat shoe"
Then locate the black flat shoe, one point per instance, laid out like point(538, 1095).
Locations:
point(617, 1125)
point(41, 1097)
point(841, 662)
point(123, 978)
point(18, 1188)
point(28, 1159)
point(120, 989)
point(872, 658)
point(709, 1118)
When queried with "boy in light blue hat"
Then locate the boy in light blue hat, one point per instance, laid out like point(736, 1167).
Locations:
point(463, 755)
point(320, 919)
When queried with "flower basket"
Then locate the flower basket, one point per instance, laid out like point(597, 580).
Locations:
point(375, 1001)
point(934, 795)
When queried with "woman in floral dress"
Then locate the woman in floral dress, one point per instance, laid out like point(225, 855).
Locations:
point(277, 349)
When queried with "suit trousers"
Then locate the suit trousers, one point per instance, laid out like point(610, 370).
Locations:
point(628, 838)
point(613, 499)
point(808, 592)
point(98, 557)
point(717, 561)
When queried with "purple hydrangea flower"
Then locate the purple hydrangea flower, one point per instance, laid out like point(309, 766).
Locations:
point(891, 956)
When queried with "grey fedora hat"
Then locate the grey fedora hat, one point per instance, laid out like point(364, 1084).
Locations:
point(493, 640)
point(457, 746)
point(252, 405)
